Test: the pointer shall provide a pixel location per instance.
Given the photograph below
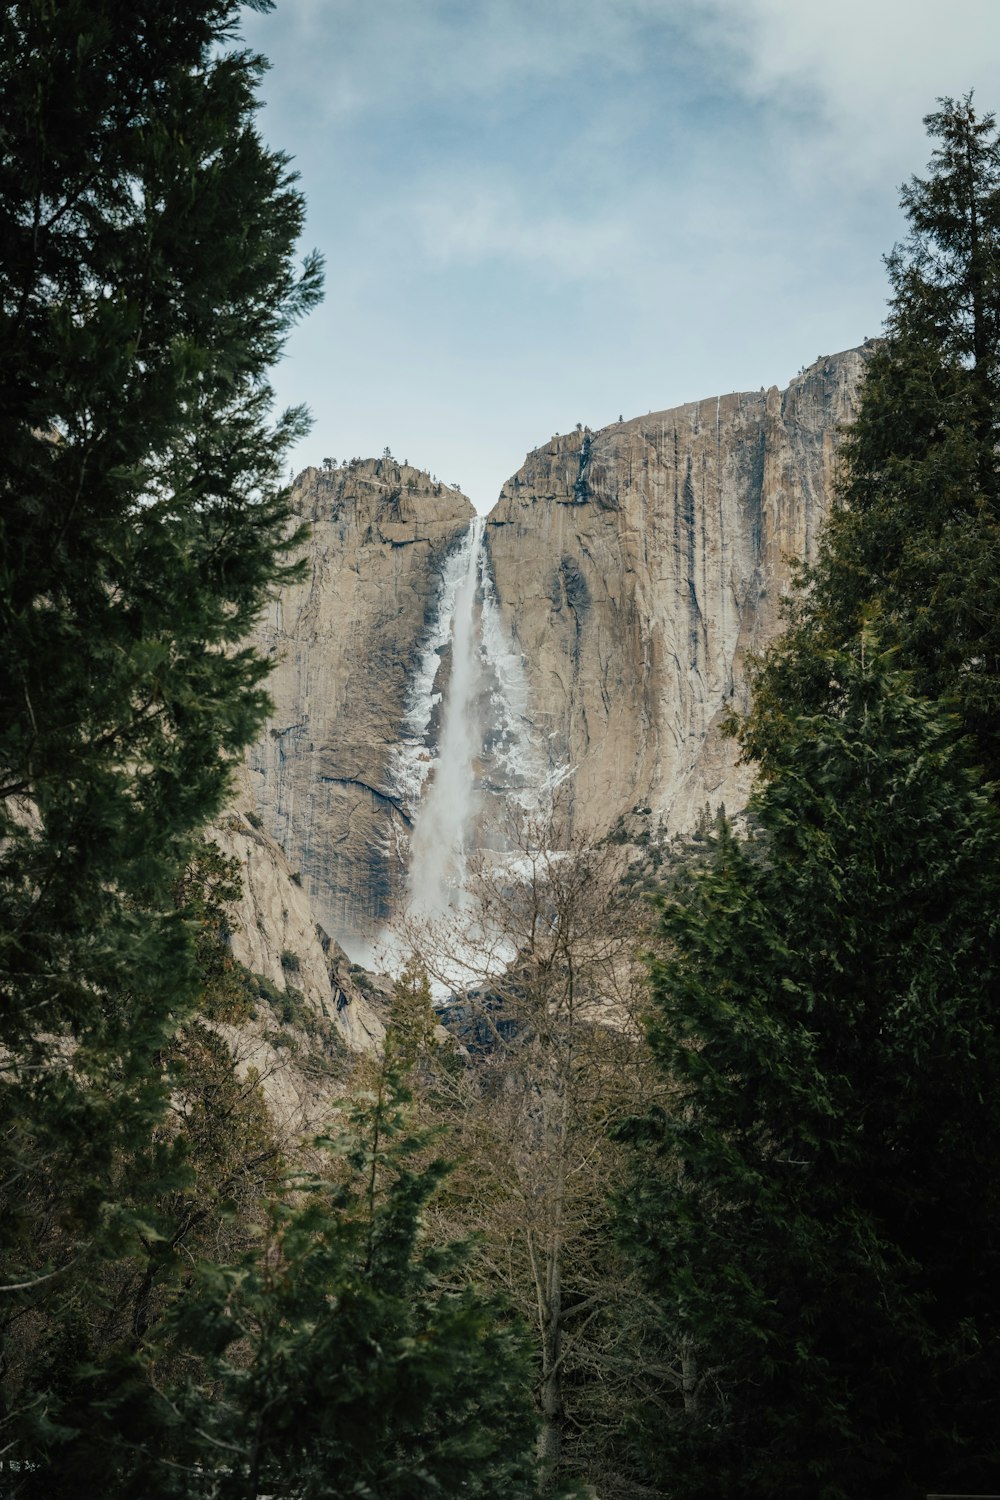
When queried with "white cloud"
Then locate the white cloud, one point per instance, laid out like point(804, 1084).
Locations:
point(860, 74)
point(712, 181)
point(354, 57)
point(853, 64)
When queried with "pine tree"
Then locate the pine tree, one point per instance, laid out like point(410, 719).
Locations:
point(147, 281)
point(915, 542)
point(348, 1355)
point(821, 1229)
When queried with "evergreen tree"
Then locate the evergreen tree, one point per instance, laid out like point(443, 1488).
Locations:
point(915, 543)
point(347, 1355)
point(821, 1228)
point(81, 1365)
point(147, 280)
point(821, 1231)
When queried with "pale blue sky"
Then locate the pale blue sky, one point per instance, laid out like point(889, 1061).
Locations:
point(542, 212)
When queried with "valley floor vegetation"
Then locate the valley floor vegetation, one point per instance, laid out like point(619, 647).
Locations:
point(725, 1224)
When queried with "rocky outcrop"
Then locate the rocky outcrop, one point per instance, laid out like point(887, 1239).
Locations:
point(345, 642)
point(640, 565)
point(315, 1007)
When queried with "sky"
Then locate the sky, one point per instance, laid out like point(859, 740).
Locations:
point(535, 213)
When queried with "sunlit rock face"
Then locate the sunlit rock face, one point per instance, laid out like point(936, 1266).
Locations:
point(313, 1010)
point(638, 566)
point(346, 642)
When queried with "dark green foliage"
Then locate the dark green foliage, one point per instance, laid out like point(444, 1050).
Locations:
point(374, 1370)
point(915, 547)
point(195, 1188)
point(147, 279)
point(818, 1220)
point(821, 1229)
point(146, 283)
point(345, 1356)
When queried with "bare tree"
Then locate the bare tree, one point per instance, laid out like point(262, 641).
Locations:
point(546, 951)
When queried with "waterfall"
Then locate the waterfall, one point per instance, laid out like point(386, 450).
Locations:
point(468, 752)
point(447, 810)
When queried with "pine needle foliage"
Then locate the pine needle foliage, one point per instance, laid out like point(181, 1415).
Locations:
point(147, 280)
point(819, 1226)
point(914, 544)
point(348, 1355)
point(820, 1231)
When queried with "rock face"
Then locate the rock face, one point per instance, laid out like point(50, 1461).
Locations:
point(316, 1010)
point(345, 642)
point(627, 576)
point(275, 933)
point(638, 566)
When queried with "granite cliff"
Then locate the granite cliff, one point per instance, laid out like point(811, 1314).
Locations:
point(275, 934)
point(315, 1009)
point(624, 577)
point(346, 641)
point(638, 566)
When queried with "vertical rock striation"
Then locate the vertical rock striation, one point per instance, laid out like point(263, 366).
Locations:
point(345, 642)
point(639, 566)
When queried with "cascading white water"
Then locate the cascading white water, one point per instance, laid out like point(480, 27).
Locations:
point(413, 756)
point(448, 807)
point(519, 769)
point(486, 750)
